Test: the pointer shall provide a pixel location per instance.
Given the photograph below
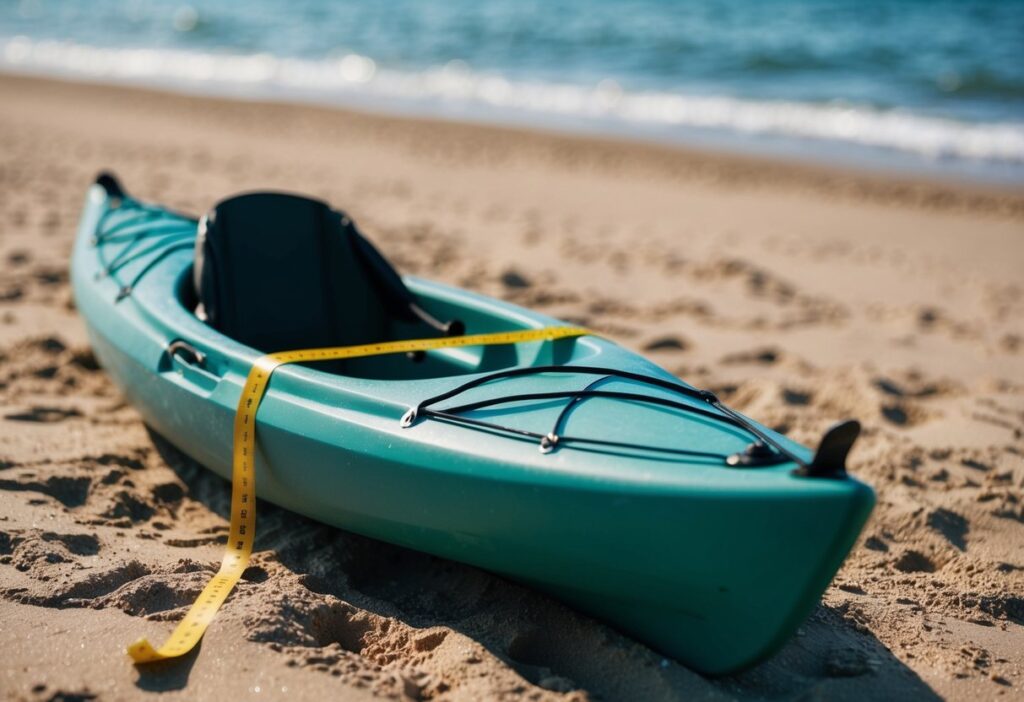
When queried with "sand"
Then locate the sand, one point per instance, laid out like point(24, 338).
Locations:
point(801, 294)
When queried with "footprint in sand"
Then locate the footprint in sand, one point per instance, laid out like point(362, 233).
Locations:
point(765, 356)
point(18, 258)
point(912, 561)
point(44, 414)
point(952, 526)
point(666, 343)
point(70, 491)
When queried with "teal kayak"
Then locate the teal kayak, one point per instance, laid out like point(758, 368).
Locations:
point(574, 465)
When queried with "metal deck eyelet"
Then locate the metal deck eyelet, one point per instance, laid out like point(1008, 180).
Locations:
point(549, 443)
point(408, 418)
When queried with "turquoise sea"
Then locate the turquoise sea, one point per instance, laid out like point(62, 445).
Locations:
point(917, 85)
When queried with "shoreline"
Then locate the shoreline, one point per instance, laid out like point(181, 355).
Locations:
point(927, 190)
point(919, 139)
point(799, 295)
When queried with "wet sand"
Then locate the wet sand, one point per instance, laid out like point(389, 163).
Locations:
point(800, 294)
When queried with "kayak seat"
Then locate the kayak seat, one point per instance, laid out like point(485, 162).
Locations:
point(279, 272)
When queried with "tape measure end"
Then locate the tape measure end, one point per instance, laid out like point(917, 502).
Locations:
point(142, 651)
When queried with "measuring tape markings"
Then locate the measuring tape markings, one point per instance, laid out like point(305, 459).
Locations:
point(243, 478)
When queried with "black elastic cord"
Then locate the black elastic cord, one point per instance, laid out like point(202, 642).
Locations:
point(459, 419)
point(583, 394)
point(169, 238)
point(724, 414)
point(705, 395)
point(737, 417)
point(139, 213)
point(127, 289)
point(155, 230)
point(554, 435)
point(122, 260)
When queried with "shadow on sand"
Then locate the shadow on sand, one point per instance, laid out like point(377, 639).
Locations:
point(542, 640)
point(164, 676)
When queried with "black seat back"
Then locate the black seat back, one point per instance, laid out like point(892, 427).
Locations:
point(279, 272)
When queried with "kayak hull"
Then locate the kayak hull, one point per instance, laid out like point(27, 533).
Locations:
point(713, 566)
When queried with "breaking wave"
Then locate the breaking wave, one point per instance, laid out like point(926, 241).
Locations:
point(454, 89)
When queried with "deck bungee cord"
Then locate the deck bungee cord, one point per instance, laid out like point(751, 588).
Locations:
point(177, 233)
point(127, 256)
point(126, 234)
point(554, 438)
point(127, 289)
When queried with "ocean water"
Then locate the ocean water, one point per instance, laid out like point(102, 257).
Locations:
point(918, 85)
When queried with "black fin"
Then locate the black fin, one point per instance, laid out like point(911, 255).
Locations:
point(830, 459)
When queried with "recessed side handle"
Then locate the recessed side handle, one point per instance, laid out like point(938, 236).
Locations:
point(185, 362)
point(186, 352)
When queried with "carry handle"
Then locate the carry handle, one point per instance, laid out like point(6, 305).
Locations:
point(111, 185)
point(186, 352)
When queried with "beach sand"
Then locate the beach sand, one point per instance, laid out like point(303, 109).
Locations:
point(801, 294)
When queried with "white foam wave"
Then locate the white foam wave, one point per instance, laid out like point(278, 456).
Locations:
point(455, 88)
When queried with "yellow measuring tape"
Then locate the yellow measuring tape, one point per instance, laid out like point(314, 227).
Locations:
point(243, 477)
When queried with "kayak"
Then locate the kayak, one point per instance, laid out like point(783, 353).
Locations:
point(572, 465)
